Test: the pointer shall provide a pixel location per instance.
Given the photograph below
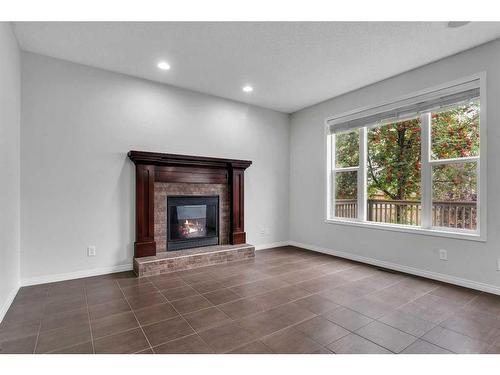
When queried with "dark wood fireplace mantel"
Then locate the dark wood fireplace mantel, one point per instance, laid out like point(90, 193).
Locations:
point(154, 167)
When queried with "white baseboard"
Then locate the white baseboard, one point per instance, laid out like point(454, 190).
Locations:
point(8, 302)
point(105, 270)
point(397, 267)
point(489, 288)
point(271, 245)
point(75, 275)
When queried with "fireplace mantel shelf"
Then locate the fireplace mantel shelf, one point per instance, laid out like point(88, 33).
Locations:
point(155, 158)
point(154, 167)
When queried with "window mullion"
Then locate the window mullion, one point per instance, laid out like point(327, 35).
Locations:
point(362, 188)
point(478, 201)
point(426, 174)
point(330, 175)
point(333, 188)
point(346, 169)
point(466, 159)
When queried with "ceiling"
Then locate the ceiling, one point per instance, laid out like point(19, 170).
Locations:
point(291, 65)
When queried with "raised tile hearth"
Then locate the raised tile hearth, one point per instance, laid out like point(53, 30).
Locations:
point(172, 261)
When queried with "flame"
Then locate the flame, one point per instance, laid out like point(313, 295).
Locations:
point(192, 227)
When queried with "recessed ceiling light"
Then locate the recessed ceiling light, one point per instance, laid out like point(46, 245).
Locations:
point(247, 88)
point(455, 24)
point(163, 65)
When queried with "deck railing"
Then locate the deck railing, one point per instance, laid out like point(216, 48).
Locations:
point(444, 213)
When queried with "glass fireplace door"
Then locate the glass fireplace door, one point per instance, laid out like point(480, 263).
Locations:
point(192, 221)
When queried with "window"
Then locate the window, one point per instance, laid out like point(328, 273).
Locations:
point(412, 165)
point(346, 174)
point(393, 169)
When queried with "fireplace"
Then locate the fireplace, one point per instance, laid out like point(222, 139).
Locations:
point(192, 221)
point(178, 175)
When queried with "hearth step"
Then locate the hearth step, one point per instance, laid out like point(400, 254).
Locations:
point(171, 261)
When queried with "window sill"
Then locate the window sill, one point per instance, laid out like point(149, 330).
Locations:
point(469, 235)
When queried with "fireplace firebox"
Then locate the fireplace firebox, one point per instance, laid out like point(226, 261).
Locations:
point(192, 221)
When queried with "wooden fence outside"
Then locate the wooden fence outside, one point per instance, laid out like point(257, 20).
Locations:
point(444, 213)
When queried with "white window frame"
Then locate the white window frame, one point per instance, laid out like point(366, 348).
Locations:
point(426, 227)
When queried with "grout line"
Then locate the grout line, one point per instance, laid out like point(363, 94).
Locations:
point(117, 333)
point(448, 350)
point(41, 319)
point(280, 330)
point(179, 338)
point(248, 343)
point(367, 339)
point(90, 323)
point(378, 320)
point(461, 333)
point(135, 316)
point(195, 332)
point(435, 324)
point(65, 327)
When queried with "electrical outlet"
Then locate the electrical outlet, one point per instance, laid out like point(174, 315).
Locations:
point(443, 254)
point(91, 251)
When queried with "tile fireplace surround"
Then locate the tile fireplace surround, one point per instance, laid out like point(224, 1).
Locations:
point(159, 176)
point(164, 189)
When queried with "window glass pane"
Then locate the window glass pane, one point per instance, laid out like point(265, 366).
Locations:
point(393, 168)
point(346, 194)
point(455, 132)
point(347, 149)
point(454, 195)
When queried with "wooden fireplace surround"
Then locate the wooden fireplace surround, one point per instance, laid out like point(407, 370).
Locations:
point(151, 167)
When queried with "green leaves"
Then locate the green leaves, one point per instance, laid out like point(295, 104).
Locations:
point(455, 132)
point(347, 149)
point(347, 185)
point(394, 161)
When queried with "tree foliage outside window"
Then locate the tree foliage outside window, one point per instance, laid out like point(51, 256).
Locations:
point(349, 183)
point(455, 182)
point(455, 132)
point(347, 149)
point(394, 161)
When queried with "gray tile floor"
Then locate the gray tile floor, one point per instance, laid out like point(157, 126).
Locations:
point(287, 300)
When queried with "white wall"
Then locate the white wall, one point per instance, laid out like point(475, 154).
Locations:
point(472, 263)
point(10, 113)
point(77, 185)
